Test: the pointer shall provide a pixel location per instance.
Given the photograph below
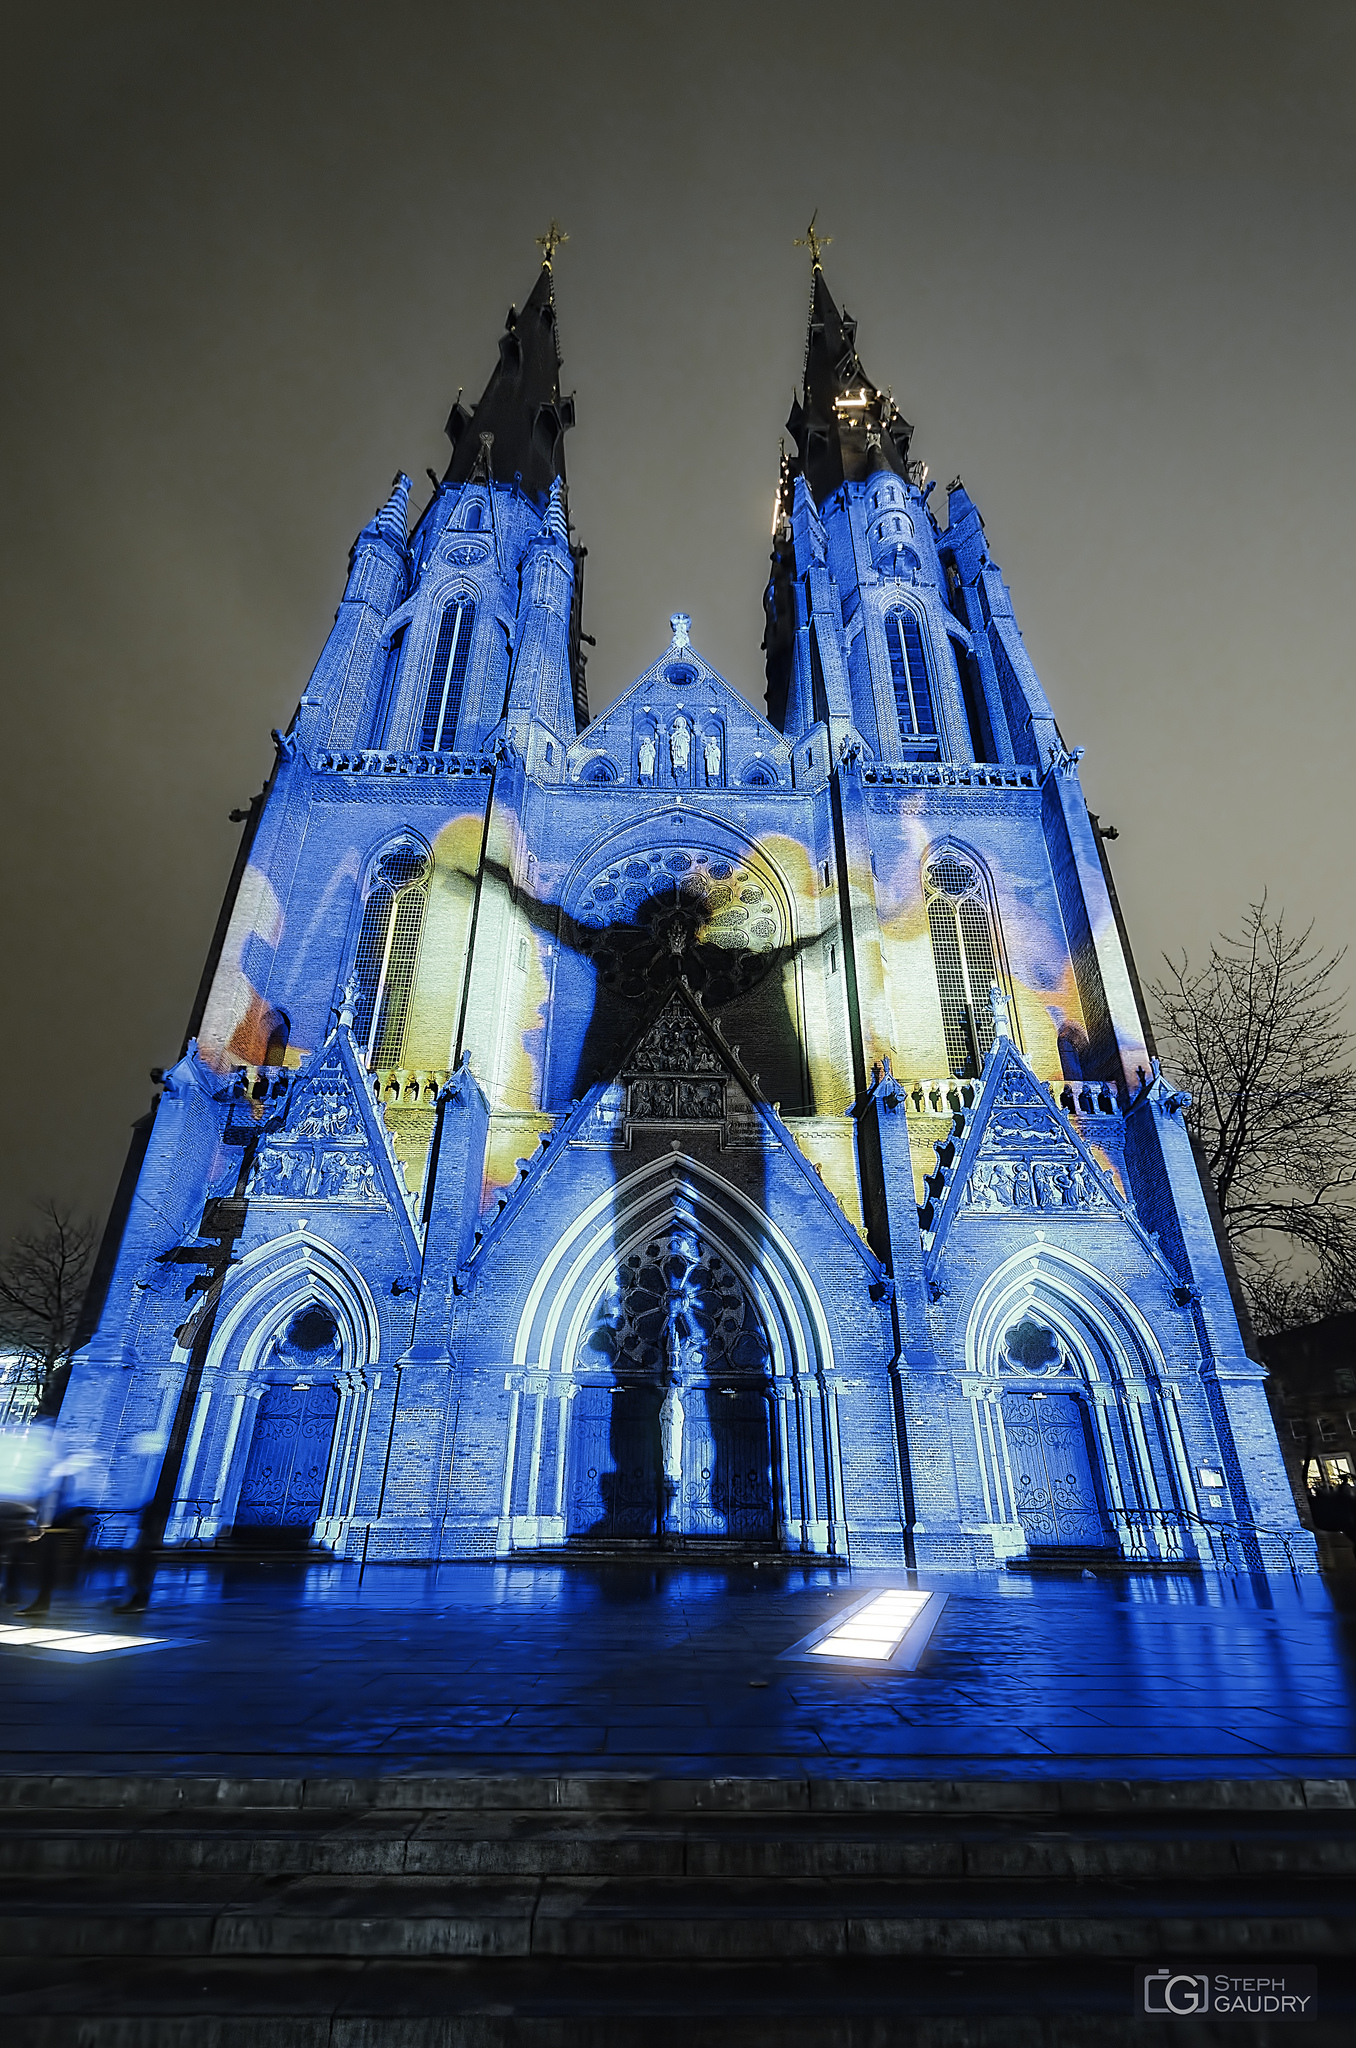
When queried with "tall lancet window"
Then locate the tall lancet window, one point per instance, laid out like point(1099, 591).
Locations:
point(966, 956)
point(449, 673)
point(388, 946)
point(909, 673)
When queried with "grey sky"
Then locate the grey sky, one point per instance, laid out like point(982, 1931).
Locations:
point(1102, 256)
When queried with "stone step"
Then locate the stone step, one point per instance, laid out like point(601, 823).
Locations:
point(704, 1920)
point(403, 1913)
point(865, 2002)
point(619, 1792)
point(504, 1844)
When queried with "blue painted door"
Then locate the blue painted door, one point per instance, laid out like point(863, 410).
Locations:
point(1052, 1470)
point(614, 1461)
point(284, 1481)
point(727, 1466)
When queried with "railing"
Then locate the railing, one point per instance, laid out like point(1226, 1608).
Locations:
point(392, 1087)
point(1223, 1537)
point(372, 761)
point(409, 1087)
point(954, 1094)
point(262, 1084)
point(953, 774)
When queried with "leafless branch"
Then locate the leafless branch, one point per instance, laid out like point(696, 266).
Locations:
point(43, 1276)
point(1257, 1035)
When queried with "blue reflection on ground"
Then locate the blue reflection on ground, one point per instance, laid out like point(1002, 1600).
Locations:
point(314, 1666)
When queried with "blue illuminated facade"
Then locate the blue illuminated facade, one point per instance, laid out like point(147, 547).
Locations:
point(684, 1127)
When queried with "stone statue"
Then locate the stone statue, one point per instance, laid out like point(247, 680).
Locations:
point(671, 1433)
point(680, 745)
point(680, 625)
point(1002, 1018)
point(647, 758)
point(711, 752)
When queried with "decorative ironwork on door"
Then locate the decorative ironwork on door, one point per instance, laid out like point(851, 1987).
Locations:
point(1052, 1471)
point(284, 1481)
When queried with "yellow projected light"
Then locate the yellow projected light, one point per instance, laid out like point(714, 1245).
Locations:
point(889, 1628)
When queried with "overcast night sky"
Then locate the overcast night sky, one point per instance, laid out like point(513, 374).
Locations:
point(1101, 254)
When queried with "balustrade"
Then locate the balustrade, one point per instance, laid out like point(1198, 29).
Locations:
point(374, 761)
point(953, 774)
point(953, 1095)
point(409, 1087)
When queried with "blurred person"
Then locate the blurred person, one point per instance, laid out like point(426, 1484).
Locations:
point(59, 1553)
point(25, 1479)
point(18, 1532)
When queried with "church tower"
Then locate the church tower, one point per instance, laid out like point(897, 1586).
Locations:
point(682, 1128)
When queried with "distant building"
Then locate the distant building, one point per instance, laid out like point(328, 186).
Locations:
point(18, 1388)
point(682, 1126)
point(1314, 1376)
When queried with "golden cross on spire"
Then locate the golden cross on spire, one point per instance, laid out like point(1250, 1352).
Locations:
point(551, 241)
point(813, 242)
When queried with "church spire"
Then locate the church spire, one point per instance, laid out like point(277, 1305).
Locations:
point(843, 427)
point(517, 432)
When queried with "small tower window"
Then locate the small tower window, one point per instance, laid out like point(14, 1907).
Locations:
point(279, 1033)
point(388, 946)
point(966, 957)
point(449, 673)
point(909, 673)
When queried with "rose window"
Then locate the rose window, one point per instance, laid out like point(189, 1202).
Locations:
point(681, 911)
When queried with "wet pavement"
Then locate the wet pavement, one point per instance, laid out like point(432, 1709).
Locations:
point(295, 1668)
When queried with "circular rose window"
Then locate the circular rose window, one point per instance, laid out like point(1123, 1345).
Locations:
point(678, 911)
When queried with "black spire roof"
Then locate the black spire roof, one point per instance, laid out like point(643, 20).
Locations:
point(844, 428)
point(520, 408)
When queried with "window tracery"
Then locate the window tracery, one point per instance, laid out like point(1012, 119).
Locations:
point(965, 953)
point(388, 947)
point(909, 675)
point(450, 656)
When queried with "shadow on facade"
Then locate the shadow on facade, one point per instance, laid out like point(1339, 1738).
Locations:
point(672, 1430)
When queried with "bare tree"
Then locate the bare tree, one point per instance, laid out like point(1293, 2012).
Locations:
point(1257, 1035)
point(43, 1278)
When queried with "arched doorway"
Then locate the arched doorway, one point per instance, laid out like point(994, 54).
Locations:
point(1077, 1448)
point(1053, 1462)
point(671, 1426)
point(283, 1489)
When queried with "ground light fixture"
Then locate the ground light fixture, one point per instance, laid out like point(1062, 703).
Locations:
point(888, 1630)
point(68, 1640)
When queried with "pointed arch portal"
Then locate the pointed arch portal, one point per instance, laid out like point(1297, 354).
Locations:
point(669, 1377)
point(1077, 1435)
point(280, 1423)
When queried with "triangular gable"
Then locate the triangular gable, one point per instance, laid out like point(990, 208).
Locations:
point(329, 1144)
point(677, 1073)
point(1020, 1156)
point(658, 731)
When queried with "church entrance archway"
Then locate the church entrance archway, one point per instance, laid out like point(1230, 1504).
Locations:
point(1052, 1461)
point(284, 1482)
point(283, 1490)
point(671, 1424)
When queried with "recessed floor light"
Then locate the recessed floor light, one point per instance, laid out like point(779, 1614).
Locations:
point(887, 1630)
point(78, 1641)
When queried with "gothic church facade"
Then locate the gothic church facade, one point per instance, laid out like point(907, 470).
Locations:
point(683, 1128)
